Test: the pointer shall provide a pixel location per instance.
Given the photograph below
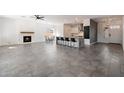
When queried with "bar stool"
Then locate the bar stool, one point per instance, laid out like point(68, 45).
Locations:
point(73, 42)
point(57, 40)
point(62, 40)
point(67, 41)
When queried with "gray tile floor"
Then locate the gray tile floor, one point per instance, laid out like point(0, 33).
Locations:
point(50, 60)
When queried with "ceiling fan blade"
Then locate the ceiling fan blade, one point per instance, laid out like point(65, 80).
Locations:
point(39, 16)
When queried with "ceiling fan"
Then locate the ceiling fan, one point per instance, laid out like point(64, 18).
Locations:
point(39, 17)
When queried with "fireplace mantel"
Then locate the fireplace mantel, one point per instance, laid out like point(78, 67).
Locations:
point(27, 32)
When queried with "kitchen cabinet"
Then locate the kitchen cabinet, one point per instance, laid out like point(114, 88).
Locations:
point(72, 29)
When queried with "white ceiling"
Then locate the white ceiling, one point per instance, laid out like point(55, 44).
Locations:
point(106, 19)
point(62, 18)
point(71, 18)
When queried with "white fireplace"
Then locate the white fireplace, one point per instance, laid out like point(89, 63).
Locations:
point(27, 37)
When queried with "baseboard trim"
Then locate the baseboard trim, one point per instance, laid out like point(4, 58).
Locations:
point(20, 44)
point(93, 43)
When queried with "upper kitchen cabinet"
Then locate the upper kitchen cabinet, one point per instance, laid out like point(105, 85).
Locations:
point(71, 30)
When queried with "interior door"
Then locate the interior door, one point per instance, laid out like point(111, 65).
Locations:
point(115, 34)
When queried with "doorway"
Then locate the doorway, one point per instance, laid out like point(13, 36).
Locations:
point(115, 34)
point(112, 34)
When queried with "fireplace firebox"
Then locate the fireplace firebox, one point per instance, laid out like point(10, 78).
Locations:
point(27, 39)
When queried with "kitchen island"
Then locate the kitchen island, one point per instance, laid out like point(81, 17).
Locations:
point(79, 42)
point(75, 41)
